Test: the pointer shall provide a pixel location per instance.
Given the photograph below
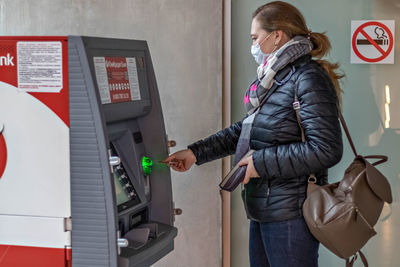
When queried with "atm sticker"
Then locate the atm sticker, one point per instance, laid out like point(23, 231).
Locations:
point(117, 79)
point(39, 67)
point(133, 78)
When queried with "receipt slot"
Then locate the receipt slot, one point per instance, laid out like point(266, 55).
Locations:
point(82, 134)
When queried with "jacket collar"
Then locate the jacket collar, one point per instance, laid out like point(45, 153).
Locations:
point(286, 73)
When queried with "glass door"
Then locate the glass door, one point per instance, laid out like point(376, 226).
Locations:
point(371, 107)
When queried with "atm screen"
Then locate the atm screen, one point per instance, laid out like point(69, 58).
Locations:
point(117, 79)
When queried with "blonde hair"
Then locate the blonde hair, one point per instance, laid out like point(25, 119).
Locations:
point(282, 16)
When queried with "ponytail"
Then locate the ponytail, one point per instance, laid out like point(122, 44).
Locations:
point(280, 15)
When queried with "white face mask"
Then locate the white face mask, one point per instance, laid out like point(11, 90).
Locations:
point(258, 55)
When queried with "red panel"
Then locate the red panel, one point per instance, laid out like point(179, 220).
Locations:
point(3, 155)
point(57, 102)
point(19, 256)
point(68, 257)
point(8, 74)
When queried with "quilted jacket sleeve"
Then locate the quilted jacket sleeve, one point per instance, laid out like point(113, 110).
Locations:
point(319, 117)
point(218, 145)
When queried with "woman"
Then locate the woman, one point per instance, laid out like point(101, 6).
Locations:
point(278, 170)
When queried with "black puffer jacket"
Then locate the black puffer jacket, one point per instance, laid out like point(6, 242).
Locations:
point(281, 159)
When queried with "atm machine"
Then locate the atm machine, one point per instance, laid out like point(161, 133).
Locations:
point(81, 137)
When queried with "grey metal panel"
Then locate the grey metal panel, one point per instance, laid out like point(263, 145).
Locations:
point(155, 140)
point(93, 214)
point(96, 46)
point(152, 251)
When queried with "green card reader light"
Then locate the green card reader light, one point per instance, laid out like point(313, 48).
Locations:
point(147, 165)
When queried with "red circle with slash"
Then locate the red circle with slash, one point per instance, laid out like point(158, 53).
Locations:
point(369, 38)
point(3, 155)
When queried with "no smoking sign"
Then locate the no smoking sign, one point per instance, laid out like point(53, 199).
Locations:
point(372, 41)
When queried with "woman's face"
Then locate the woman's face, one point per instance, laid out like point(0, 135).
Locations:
point(265, 39)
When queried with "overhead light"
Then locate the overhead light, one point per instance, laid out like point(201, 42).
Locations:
point(387, 106)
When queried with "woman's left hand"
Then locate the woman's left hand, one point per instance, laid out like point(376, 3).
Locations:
point(250, 171)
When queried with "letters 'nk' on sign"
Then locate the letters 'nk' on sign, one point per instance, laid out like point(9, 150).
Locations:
point(372, 41)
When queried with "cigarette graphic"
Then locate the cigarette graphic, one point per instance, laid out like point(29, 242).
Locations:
point(377, 41)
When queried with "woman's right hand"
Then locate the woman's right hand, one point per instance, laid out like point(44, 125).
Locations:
point(181, 161)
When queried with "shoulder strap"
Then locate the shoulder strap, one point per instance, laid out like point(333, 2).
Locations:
point(350, 262)
point(312, 179)
point(269, 93)
point(381, 158)
point(346, 130)
point(296, 107)
point(280, 78)
point(363, 258)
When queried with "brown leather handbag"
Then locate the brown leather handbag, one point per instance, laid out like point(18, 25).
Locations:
point(342, 215)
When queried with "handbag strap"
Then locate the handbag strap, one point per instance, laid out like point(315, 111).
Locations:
point(280, 78)
point(350, 262)
point(312, 179)
point(382, 158)
point(296, 107)
point(346, 130)
point(363, 258)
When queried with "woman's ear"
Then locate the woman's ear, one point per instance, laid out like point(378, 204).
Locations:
point(281, 38)
point(278, 37)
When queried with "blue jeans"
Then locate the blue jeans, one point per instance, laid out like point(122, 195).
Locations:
point(282, 244)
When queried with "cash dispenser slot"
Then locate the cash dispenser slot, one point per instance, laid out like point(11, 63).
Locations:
point(146, 241)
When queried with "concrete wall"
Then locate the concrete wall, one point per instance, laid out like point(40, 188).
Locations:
point(184, 37)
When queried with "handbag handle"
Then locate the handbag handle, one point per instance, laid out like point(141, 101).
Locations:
point(381, 157)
